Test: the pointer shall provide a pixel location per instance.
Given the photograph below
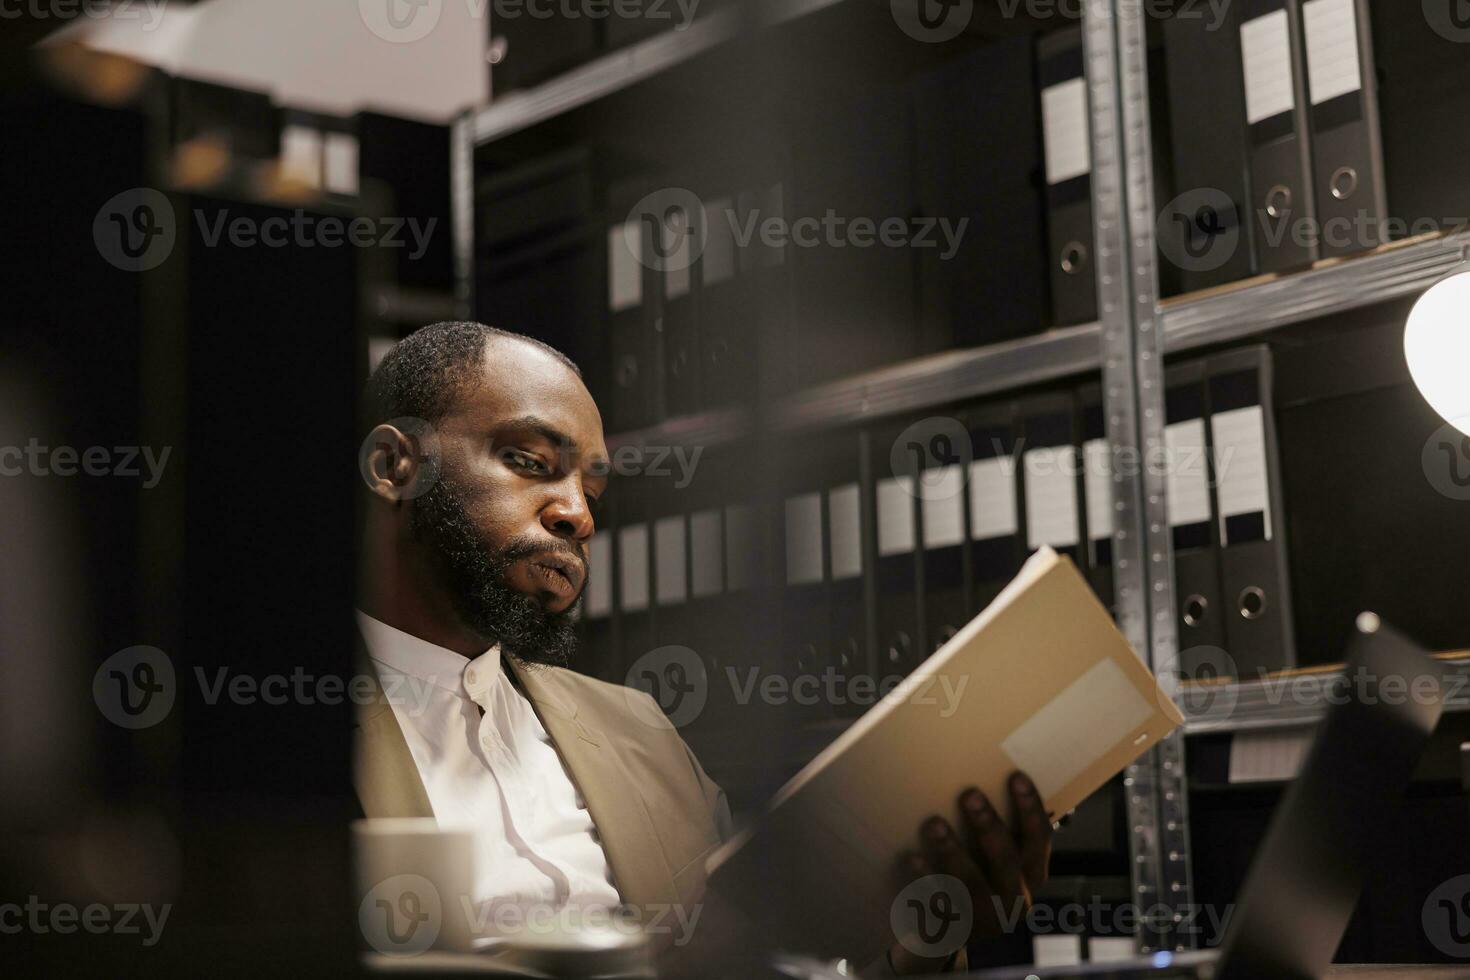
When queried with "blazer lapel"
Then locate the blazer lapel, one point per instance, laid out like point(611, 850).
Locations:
point(383, 770)
point(640, 870)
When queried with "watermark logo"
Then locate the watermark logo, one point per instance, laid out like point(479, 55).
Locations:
point(400, 21)
point(401, 915)
point(1450, 19)
point(1446, 460)
point(1446, 917)
point(135, 230)
point(932, 21)
point(134, 688)
point(425, 446)
point(150, 12)
point(1199, 230)
point(675, 678)
point(1206, 673)
point(931, 448)
point(933, 916)
point(666, 229)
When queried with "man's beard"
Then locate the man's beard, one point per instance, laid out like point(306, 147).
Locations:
point(478, 586)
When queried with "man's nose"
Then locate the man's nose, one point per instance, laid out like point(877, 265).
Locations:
point(568, 516)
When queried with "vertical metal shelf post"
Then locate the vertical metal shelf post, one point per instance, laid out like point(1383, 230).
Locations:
point(1116, 54)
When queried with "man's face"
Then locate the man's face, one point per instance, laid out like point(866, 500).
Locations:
point(507, 524)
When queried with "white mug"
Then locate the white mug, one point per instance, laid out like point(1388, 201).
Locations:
point(414, 881)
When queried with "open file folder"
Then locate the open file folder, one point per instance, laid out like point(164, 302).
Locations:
point(1040, 681)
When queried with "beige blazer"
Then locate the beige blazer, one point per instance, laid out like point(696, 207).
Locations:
point(657, 812)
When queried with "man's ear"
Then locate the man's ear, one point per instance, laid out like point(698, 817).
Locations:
point(399, 460)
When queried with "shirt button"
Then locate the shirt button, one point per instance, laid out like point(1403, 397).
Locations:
point(486, 741)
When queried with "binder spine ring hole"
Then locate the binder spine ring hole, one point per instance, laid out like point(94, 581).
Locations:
point(1278, 201)
point(1344, 183)
point(1196, 608)
point(1252, 602)
point(1074, 257)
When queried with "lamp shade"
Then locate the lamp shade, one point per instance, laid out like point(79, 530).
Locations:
point(1437, 347)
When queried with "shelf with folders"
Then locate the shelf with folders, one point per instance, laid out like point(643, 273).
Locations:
point(1303, 162)
point(979, 177)
point(1298, 697)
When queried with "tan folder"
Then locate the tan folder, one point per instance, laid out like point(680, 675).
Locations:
point(1041, 681)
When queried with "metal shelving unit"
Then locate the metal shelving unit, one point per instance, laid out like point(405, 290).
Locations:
point(1127, 346)
point(1240, 310)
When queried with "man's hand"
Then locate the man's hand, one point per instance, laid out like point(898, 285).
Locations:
point(1001, 866)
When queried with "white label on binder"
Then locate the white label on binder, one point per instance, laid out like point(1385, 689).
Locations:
point(804, 539)
point(1240, 449)
point(678, 229)
point(1097, 465)
point(706, 553)
point(739, 547)
point(719, 244)
point(1332, 49)
point(993, 498)
point(1262, 757)
point(301, 154)
point(670, 584)
point(1265, 50)
point(599, 576)
point(1051, 497)
point(633, 566)
point(1187, 477)
point(943, 501)
point(895, 515)
point(1077, 727)
point(1064, 123)
point(624, 266)
point(845, 531)
point(339, 163)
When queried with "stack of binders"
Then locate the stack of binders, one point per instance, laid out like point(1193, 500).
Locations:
point(1278, 158)
point(1224, 499)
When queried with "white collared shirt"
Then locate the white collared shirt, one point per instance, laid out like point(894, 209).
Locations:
point(536, 849)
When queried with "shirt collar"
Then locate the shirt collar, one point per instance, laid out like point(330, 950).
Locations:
point(422, 660)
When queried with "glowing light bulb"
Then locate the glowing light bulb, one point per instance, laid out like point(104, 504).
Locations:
point(1437, 348)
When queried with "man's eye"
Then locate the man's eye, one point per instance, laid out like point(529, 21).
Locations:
point(525, 461)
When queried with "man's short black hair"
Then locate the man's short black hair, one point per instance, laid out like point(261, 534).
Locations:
point(425, 372)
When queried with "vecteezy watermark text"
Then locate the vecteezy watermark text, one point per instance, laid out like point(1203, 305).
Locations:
point(37, 459)
point(64, 918)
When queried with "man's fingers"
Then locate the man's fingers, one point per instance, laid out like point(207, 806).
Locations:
point(1033, 830)
point(946, 854)
point(994, 846)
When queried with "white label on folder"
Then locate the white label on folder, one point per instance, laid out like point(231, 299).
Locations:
point(739, 548)
point(670, 584)
point(1097, 463)
point(1061, 949)
point(624, 266)
point(1240, 448)
point(1332, 49)
point(1077, 727)
point(1265, 49)
point(301, 154)
point(993, 498)
point(944, 507)
point(599, 576)
point(845, 531)
point(633, 566)
point(339, 163)
point(706, 553)
point(1064, 123)
point(895, 515)
point(1051, 497)
point(678, 229)
point(719, 244)
point(1187, 479)
point(1259, 757)
point(804, 539)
